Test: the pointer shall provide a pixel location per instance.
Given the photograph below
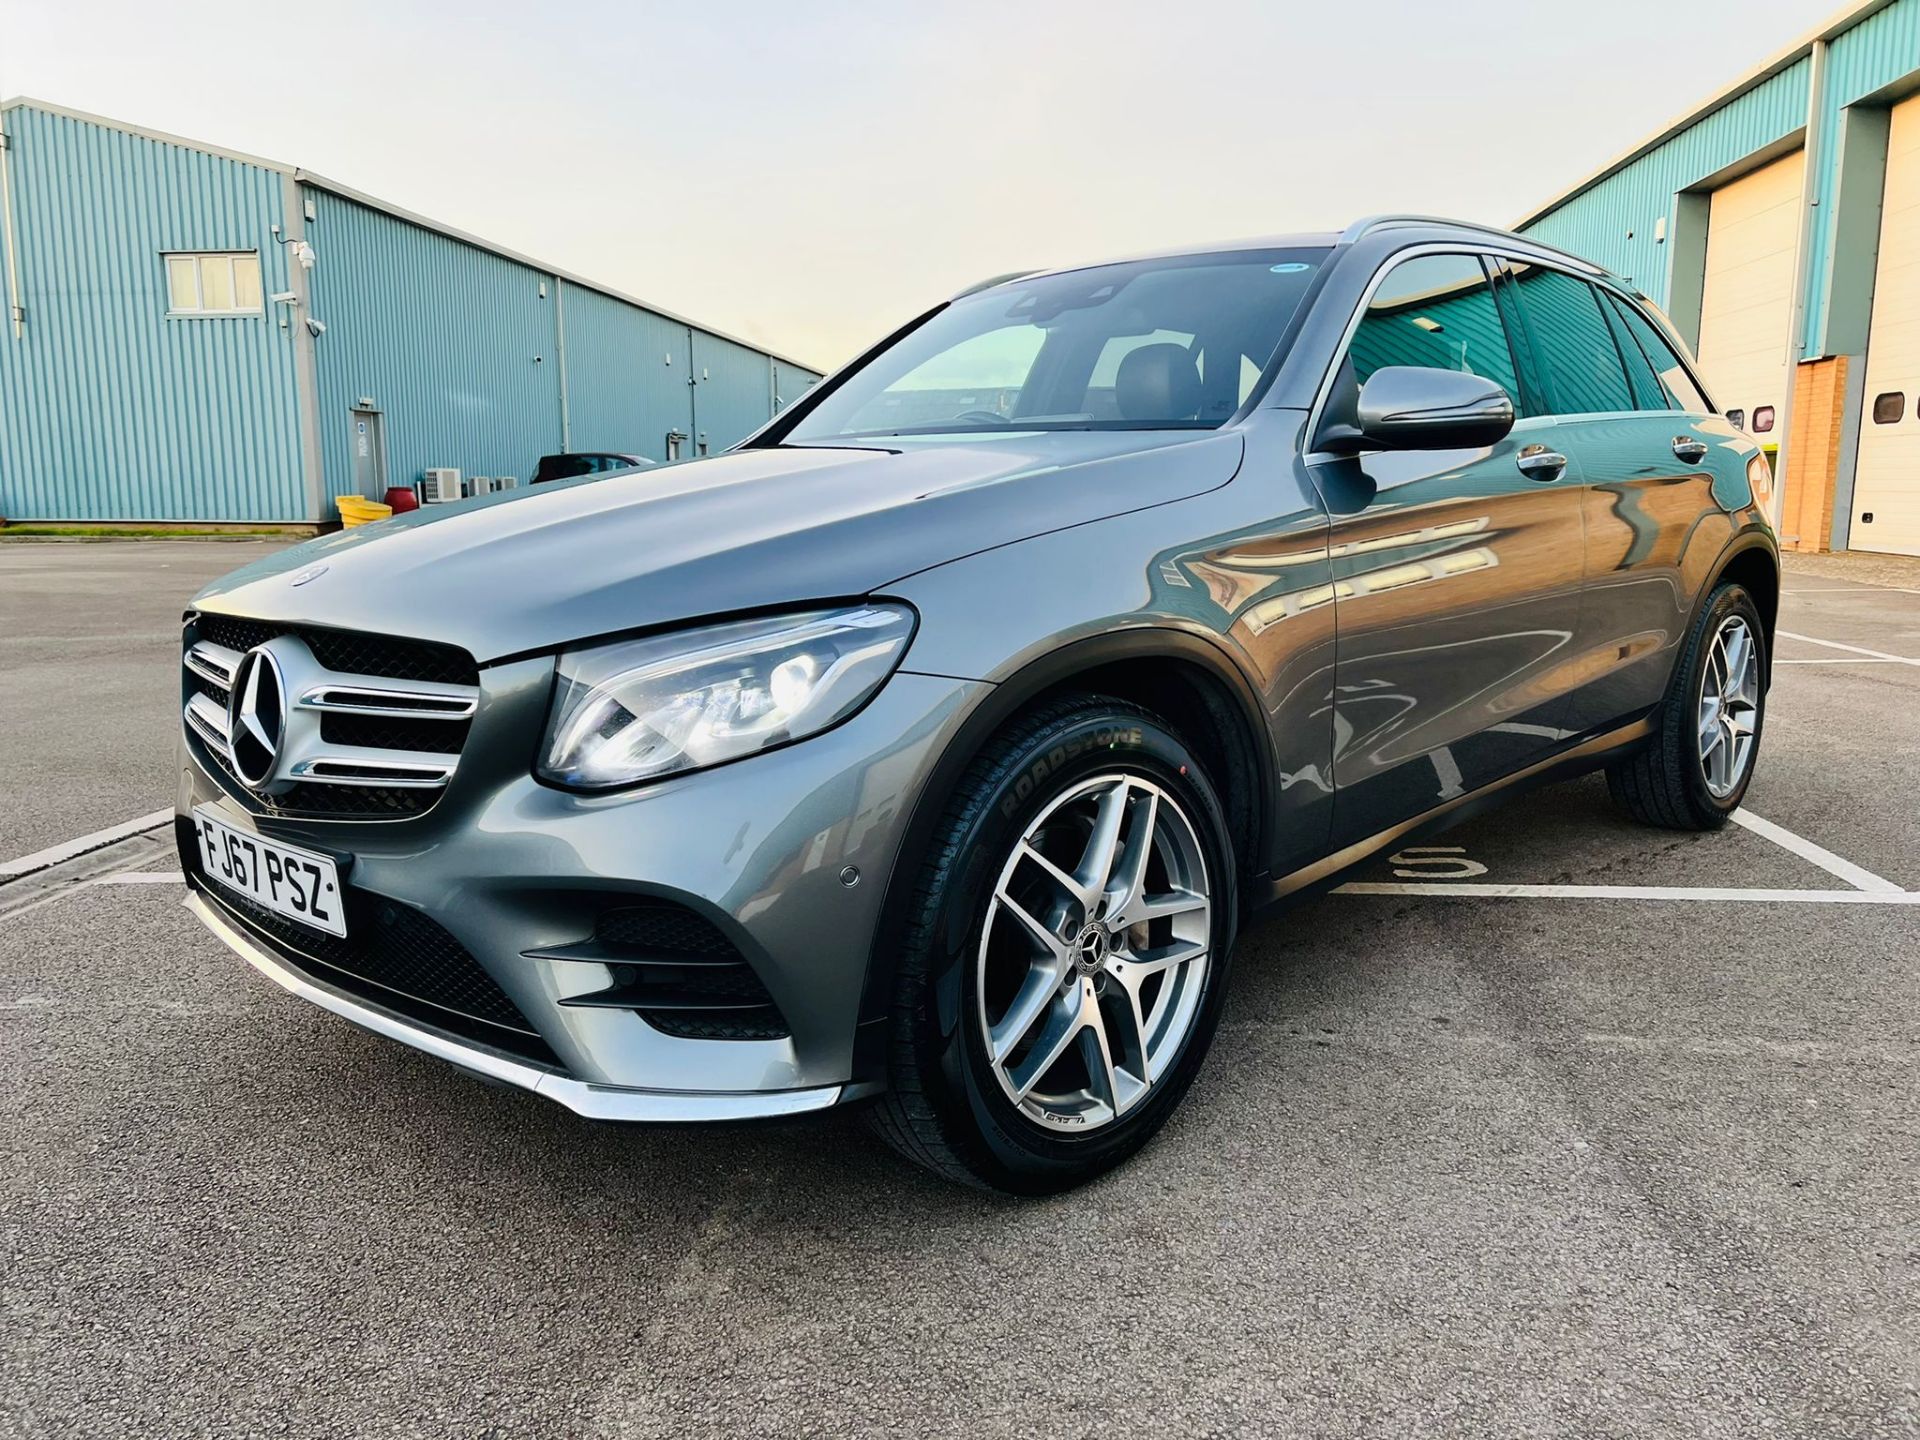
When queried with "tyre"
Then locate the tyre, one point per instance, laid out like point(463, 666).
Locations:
point(1066, 952)
point(1707, 736)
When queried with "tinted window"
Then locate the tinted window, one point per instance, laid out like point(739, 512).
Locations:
point(1737, 419)
point(1888, 408)
point(1435, 311)
point(1572, 341)
point(1145, 345)
point(1648, 392)
point(1763, 420)
point(1673, 372)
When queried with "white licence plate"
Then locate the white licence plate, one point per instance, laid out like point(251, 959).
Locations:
point(299, 884)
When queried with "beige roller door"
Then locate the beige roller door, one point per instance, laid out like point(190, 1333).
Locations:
point(1753, 228)
point(1886, 481)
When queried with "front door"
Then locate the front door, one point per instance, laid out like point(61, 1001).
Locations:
point(1456, 573)
point(369, 455)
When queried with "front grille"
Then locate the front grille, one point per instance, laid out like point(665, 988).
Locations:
point(365, 765)
point(393, 955)
point(681, 974)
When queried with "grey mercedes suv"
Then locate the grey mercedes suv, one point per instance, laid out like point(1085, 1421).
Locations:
point(928, 748)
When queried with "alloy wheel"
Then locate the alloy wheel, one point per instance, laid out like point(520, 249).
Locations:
point(1729, 711)
point(1094, 952)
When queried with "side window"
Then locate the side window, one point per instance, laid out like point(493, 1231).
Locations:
point(1435, 311)
point(1572, 341)
point(1648, 392)
point(1673, 372)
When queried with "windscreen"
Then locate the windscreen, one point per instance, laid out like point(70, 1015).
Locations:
point(1176, 343)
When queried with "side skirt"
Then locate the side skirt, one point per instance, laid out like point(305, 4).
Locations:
point(1588, 755)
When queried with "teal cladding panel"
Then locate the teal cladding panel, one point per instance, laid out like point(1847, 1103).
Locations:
point(734, 396)
point(627, 374)
point(1880, 52)
point(455, 346)
point(109, 409)
point(1613, 224)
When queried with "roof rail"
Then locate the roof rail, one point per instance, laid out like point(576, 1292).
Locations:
point(996, 280)
point(1369, 223)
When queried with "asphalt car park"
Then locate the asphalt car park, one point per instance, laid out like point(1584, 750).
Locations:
point(1549, 1124)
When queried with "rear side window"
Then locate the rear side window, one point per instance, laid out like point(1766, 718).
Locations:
point(1648, 392)
point(1572, 341)
point(1435, 311)
point(1673, 371)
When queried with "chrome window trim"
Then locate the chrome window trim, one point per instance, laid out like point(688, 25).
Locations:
point(1466, 246)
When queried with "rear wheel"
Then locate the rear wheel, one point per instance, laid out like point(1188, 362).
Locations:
point(1067, 953)
point(1695, 772)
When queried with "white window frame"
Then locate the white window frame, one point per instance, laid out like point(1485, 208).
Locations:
point(199, 257)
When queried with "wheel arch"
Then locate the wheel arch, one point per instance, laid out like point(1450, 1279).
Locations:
point(1195, 685)
point(1752, 560)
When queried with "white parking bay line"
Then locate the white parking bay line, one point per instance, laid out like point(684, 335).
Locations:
point(142, 877)
point(1856, 590)
point(1855, 649)
point(1472, 890)
point(54, 854)
point(1841, 869)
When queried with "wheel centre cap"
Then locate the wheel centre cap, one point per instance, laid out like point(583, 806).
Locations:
point(1091, 948)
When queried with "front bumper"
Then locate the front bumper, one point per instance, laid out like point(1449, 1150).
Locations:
point(515, 872)
point(596, 1102)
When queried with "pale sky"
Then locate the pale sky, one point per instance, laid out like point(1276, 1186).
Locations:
point(809, 175)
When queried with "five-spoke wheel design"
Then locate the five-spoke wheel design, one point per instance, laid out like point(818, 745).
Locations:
point(1729, 710)
point(1094, 952)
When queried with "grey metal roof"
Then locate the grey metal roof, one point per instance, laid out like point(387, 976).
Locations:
point(360, 197)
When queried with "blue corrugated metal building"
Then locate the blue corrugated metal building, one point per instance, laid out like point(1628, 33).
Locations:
point(196, 335)
point(1778, 223)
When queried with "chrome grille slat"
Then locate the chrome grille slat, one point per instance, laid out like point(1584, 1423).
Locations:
point(393, 767)
point(213, 662)
point(210, 721)
point(421, 700)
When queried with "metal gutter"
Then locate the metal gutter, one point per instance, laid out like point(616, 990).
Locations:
point(306, 364)
point(1803, 241)
point(360, 197)
point(1835, 25)
point(15, 314)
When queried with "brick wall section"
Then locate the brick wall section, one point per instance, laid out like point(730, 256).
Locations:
point(1813, 454)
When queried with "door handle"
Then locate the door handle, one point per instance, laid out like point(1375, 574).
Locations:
point(1537, 462)
point(1686, 448)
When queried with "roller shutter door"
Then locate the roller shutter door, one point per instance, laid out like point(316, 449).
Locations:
point(1886, 483)
point(1746, 305)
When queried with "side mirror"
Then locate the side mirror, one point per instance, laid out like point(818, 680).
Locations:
point(1411, 407)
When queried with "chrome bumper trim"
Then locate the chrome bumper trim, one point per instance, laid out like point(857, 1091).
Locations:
point(596, 1102)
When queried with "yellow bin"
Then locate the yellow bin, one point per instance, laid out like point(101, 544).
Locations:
point(358, 510)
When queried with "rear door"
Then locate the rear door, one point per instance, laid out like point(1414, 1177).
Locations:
point(1456, 573)
point(1650, 454)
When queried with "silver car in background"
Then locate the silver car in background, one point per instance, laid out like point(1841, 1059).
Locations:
point(928, 748)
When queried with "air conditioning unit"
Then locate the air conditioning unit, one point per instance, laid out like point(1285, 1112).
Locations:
point(478, 485)
point(507, 482)
point(437, 487)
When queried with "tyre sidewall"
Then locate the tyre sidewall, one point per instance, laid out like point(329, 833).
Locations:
point(1013, 1151)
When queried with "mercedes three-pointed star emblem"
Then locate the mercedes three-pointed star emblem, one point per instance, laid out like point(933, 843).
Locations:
point(256, 717)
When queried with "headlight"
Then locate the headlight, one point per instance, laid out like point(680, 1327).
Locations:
point(1760, 478)
point(640, 709)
